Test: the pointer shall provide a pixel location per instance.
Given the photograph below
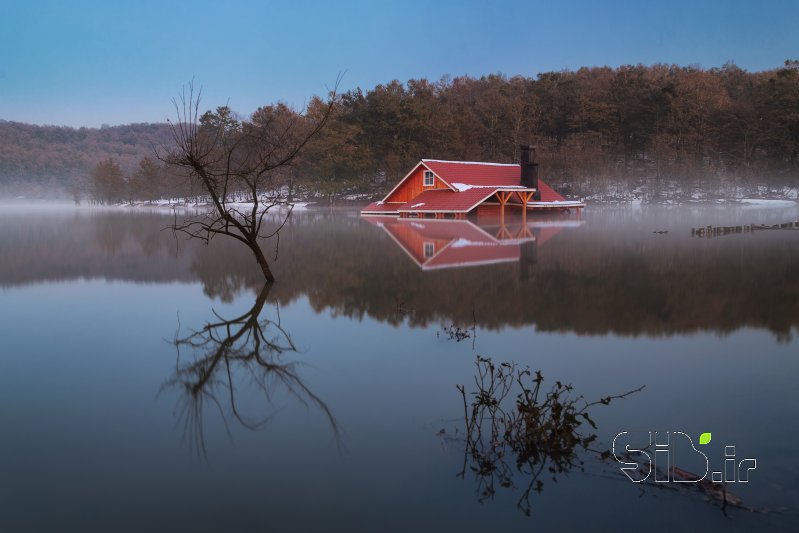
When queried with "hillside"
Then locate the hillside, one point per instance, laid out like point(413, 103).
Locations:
point(51, 161)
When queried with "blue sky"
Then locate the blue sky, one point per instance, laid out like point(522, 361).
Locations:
point(92, 62)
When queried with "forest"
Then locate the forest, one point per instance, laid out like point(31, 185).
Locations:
point(660, 131)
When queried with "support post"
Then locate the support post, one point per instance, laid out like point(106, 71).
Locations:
point(503, 199)
point(524, 197)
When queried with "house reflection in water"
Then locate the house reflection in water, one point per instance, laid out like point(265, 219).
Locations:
point(451, 243)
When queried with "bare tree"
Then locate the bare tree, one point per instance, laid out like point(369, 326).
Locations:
point(239, 164)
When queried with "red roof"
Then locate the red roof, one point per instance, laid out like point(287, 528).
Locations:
point(380, 207)
point(443, 200)
point(548, 194)
point(486, 175)
point(479, 174)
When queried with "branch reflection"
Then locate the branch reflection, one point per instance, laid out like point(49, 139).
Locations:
point(229, 354)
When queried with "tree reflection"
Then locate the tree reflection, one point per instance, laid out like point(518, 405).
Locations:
point(596, 281)
point(226, 353)
point(515, 427)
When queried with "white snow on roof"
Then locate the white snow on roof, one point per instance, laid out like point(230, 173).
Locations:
point(463, 243)
point(470, 163)
point(420, 204)
point(465, 187)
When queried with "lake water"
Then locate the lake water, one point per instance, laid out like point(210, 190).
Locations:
point(149, 384)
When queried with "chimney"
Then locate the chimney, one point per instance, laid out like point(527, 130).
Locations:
point(529, 169)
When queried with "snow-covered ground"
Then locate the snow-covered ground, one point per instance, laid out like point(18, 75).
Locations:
point(182, 204)
point(675, 193)
point(614, 193)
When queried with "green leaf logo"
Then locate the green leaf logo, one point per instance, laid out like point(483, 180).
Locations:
point(704, 438)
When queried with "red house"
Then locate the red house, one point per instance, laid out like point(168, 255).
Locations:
point(444, 189)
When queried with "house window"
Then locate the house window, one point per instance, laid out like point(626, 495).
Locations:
point(429, 249)
point(429, 180)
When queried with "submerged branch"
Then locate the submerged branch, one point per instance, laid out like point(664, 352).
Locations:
point(534, 432)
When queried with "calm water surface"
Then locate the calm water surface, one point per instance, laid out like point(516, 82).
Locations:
point(123, 410)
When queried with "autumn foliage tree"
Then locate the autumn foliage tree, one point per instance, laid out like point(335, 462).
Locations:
point(108, 185)
point(148, 180)
point(624, 124)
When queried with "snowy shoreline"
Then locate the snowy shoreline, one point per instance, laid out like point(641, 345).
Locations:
point(299, 206)
point(165, 205)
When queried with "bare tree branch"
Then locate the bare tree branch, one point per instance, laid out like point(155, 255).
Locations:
point(227, 157)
